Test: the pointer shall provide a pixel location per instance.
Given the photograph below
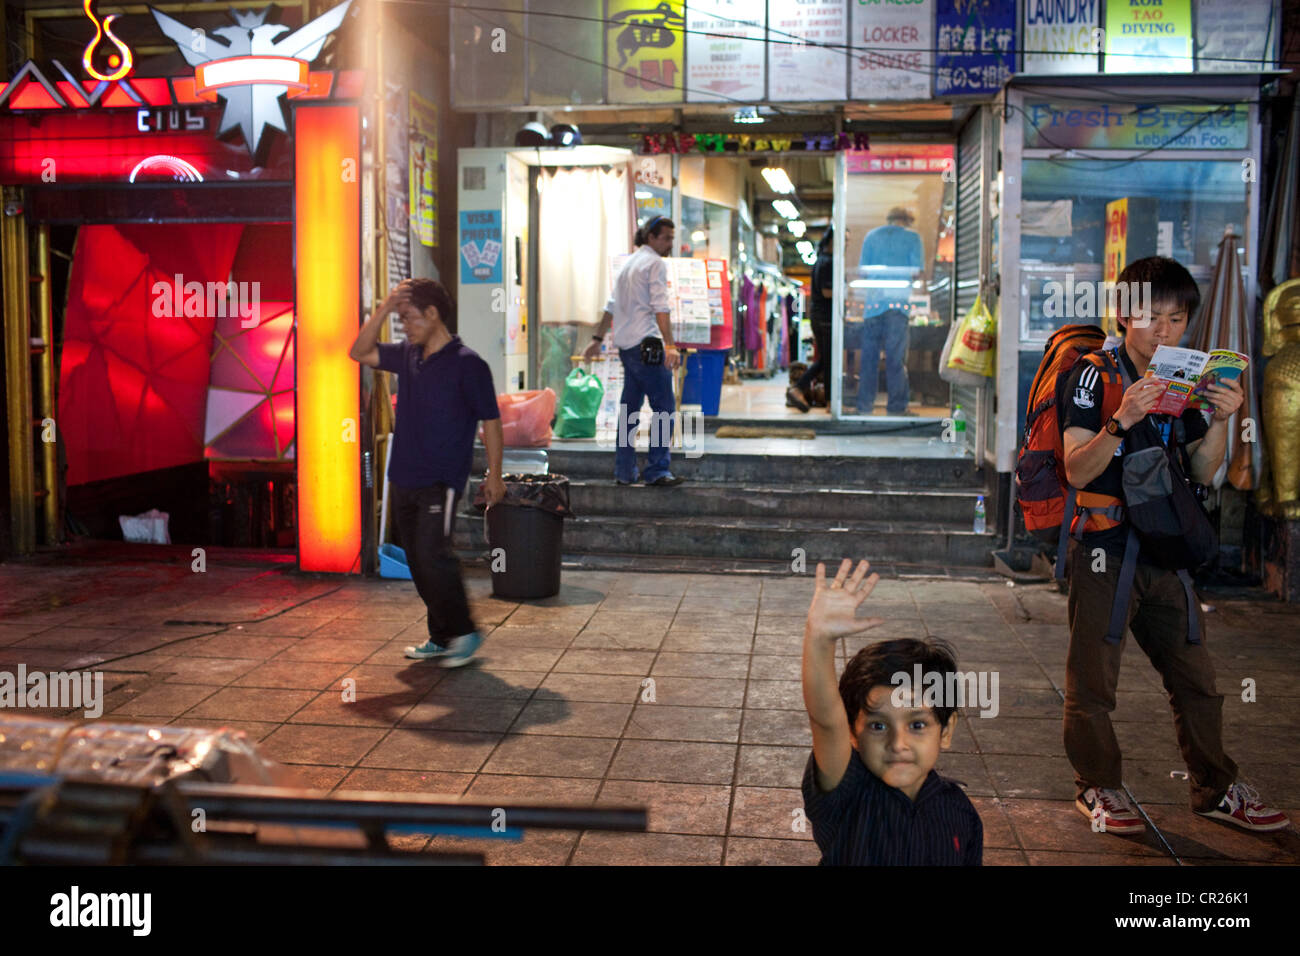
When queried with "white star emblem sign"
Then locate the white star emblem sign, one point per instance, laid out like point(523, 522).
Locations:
point(248, 68)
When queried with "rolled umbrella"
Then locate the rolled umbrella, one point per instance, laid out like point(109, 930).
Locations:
point(1225, 323)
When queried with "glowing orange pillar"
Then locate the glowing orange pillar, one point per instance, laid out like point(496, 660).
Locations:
point(327, 246)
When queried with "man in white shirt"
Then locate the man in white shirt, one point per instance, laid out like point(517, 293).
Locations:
point(638, 310)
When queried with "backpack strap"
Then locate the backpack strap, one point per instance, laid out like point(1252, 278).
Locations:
point(1193, 632)
point(1123, 590)
point(1067, 517)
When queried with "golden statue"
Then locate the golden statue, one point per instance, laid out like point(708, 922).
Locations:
point(1281, 405)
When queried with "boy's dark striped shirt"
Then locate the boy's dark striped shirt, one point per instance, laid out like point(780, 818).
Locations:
point(866, 822)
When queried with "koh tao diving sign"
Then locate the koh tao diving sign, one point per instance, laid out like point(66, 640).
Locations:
point(248, 68)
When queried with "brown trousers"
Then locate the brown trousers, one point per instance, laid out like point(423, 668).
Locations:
point(1157, 617)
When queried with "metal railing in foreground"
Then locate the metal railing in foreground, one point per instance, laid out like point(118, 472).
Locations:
point(58, 820)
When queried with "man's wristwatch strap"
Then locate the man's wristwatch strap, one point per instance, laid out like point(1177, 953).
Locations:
point(1114, 427)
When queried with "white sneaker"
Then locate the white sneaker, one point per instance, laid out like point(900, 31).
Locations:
point(1110, 812)
point(1241, 806)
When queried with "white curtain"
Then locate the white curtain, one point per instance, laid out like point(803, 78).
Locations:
point(585, 217)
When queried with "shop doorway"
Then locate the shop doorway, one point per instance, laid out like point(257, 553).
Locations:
point(174, 352)
point(899, 222)
point(770, 218)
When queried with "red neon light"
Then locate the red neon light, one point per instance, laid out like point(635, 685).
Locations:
point(164, 91)
point(33, 97)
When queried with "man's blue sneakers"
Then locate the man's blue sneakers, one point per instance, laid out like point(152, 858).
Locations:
point(426, 651)
point(460, 650)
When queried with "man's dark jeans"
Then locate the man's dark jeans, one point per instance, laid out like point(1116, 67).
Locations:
point(888, 330)
point(641, 381)
point(423, 519)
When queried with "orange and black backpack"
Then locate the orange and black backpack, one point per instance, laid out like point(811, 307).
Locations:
point(1052, 509)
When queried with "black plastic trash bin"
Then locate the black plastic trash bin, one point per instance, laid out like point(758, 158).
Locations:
point(525, 534)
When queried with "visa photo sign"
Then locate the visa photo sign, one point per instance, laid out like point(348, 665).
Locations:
point(1061, 36)
point(480, 246)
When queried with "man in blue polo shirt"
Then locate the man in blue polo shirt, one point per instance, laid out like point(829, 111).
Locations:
point(444, 389)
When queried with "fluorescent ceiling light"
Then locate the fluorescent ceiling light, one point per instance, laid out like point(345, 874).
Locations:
point(880, 284)
point(776, 178)
point(642, 194)
point(797, 227)
point(786, 208)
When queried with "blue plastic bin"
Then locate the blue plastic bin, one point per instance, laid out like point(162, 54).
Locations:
point(703, 385)
point(392, 562)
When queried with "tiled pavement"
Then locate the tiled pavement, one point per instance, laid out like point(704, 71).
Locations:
point(559, 707)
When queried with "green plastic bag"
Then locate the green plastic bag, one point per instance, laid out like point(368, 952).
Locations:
point(583, 394)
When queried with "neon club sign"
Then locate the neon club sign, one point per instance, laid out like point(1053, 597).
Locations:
point(246, 68)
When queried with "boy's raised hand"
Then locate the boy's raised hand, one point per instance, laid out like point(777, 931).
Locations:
point(831, 614)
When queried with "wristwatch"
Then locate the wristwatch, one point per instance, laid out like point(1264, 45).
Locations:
point(1113, 427)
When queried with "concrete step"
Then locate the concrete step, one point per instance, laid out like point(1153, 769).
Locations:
point(677, 564)
point(767, 538)
point(780, 470)
point(744, 499)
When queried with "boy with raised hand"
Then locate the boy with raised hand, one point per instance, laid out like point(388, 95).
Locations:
point(870, 789)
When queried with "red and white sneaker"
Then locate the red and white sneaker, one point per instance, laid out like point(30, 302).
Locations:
point(1241, 806)
point(1110, 812)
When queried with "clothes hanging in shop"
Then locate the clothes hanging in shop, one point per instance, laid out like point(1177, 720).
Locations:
point(753, 319)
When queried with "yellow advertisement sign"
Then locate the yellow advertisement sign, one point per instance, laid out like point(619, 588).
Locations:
point(423, 151)
point(644, 51)
point(1152, 36)
point(1115, 250)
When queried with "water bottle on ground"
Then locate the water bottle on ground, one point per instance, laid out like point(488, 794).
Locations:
point(979, 515)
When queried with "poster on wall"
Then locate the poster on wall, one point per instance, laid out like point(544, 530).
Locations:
point(724, 51)
point(891, 44)
point(1061, 37)
point(643, 51)
point(1153, 37)
point(396, 209)
point(423, 173)
point(976, 43)
point(480, 247)
point(1235, 35)
point(805, 50)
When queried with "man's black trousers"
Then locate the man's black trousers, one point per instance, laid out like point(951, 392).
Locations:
point(423, 519)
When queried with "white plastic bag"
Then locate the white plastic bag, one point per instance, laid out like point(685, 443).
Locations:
point(147, 528)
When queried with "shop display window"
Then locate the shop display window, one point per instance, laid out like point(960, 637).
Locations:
point(1177, 208)
point(705, 230)
point(897, 277)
